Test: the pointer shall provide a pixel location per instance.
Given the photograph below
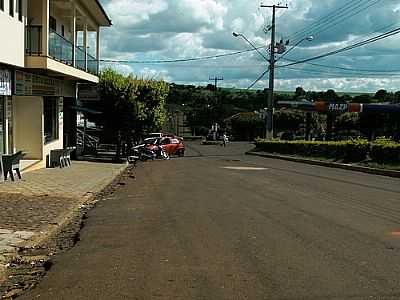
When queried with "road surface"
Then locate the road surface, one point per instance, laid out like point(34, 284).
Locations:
point(220, 225)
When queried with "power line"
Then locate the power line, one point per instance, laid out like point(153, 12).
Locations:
point(337, 21)
point(368, 41)
point(258, 79)
point(332, 17)
point(323, 19)
point(340, 74)
point(347, 69)
point(353, 46)
point(164, 61)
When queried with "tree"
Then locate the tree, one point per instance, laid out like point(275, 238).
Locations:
point(118, 104)
point(347, 122)
point(300, 93)
point(381, 95)
point(331, 96)
point(129, 106)
point(151, 98)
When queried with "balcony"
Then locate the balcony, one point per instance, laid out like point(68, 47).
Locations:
point(60, 49)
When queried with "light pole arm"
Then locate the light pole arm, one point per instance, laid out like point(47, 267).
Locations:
point(251, 44)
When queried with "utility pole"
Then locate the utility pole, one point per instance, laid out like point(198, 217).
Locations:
point(215, 79)
point(270, 105)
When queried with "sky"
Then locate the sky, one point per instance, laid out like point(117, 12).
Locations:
point(149, 30)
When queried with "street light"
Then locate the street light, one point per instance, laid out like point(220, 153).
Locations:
point(235, 34)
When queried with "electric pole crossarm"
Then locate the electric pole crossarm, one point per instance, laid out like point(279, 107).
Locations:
point(216, 79)
point(272, 6)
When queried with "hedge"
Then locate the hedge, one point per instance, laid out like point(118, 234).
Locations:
point(346, 151)
point(385, 152)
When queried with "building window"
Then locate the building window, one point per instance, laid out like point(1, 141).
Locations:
point(2, 5)
point(50, 114)
point(11, 8)
point(20, 10)
point(53, 24)
point(63, 30)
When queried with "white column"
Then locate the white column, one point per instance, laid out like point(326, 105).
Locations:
point(98, 43)
point(73, 28)
point(45, 27)
point(85, 42)
point(98, 48)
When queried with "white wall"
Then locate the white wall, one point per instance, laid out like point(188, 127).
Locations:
point(29, 128)
point(12, 33)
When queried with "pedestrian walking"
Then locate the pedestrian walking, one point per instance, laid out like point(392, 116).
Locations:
point(224, 140)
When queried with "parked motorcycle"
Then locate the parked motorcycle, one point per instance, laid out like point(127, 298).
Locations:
point(163, 154)
point(143, 153)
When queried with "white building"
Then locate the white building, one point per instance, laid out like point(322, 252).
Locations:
point(48, 47)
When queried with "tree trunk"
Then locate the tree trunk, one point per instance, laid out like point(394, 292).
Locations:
point(118, 150)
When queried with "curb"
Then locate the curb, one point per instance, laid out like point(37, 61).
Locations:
point(350, 167)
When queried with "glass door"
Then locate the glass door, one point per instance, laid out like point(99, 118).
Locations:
point(2, 125)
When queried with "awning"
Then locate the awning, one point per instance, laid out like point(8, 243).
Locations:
point(87, 110)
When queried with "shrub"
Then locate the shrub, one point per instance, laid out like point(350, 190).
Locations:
point(385, 152)
point(348, 151)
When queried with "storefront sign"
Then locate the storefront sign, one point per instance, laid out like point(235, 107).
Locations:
point(331, 107)
point(27, 84)
point(338, 107)
point(5, 83)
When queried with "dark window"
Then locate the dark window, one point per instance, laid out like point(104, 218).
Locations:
point(11, 8)
point(20, 10)
point(62, 30)
point(50, 114)
point(2, 5)
point(53, 23)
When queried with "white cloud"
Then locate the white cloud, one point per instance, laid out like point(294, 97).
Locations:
point(168, 29)
point(128, 12)
point(208, 12)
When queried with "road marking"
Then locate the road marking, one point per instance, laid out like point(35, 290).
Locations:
point(245, 168)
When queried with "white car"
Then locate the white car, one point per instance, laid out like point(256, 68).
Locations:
point(155, 135)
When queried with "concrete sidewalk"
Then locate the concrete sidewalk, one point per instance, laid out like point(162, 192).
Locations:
point(35, 205)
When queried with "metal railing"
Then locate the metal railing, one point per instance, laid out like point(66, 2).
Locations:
point(60, 48)
point(90, 141)
point(92, 65)
point(80, 58)
point(33, 40)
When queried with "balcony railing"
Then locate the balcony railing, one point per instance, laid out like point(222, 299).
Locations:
point(80, 58)
point(92, 65)
point(60, 49)
point(33, 40)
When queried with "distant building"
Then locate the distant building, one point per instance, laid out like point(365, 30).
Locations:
point(49, 46)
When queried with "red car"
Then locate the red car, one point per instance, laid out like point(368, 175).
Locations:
point(171, 145)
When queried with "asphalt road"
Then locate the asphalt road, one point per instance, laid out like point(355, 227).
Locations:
point(220, 225)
